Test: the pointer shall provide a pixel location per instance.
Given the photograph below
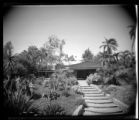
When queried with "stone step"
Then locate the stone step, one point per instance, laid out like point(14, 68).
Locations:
point(94, 95)
point(98, 101)
point(92, 92)
point(89, 89)
point(97, 105)
point(97, 98)
point(87, 113)
point(103, 110)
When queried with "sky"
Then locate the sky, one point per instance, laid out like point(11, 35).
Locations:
point(81, 26)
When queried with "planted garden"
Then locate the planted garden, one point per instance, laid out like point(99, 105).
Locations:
point(27, 93)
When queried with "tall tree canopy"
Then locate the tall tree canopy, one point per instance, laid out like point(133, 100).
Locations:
point(132, 34)
point(109, 45)
point(87, 55)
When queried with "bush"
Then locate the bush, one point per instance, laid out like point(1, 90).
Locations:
point(53, 109)
point(36, 96)
point(126, 75)
point(39, 81)
point(17, 103)
point(66, 93)
point(72, 81)
point(93, 79)
point(52, 95)
point(50, 108)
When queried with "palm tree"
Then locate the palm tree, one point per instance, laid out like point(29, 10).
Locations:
point(109, 45)
point(132, 33)
point(103, 58)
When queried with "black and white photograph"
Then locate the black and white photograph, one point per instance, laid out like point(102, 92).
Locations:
point(70, 61)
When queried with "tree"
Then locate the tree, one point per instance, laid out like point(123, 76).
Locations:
point(103, 58)
point(69, 58)
point(34, 54)
point(132, 34)
point(54, 48)
point(109, 45)
point(87, 55)
point(61, 50)
point(127, 58)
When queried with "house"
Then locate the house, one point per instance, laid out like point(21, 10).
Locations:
point(83, 69)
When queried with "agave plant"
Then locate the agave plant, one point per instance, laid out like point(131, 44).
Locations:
point(16, 103)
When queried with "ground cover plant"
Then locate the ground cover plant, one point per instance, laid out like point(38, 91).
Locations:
point(45, 99)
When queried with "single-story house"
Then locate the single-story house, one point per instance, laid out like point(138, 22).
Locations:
point(83, 69)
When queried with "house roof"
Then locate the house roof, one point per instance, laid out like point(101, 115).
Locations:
point(84, 65)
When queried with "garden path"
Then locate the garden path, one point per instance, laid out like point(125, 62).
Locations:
point(97, 102)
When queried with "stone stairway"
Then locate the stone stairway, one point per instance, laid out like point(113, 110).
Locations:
point(97, 103)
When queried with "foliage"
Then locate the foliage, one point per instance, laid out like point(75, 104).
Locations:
point(132, 34)
point(127, 75)
point(16, 102)
point(66, 93)
point(8, 60)
point(61, 79)
point(59, 66)
point(93, 78)
point(125, 93)
point(72, 80)
point(77, 89)
point(51, 95)
point(87, 55)
point(109, 45)
point(45, 107)
point(69, 58)
point(53, 109)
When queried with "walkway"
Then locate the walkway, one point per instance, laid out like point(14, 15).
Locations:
point(97, 102)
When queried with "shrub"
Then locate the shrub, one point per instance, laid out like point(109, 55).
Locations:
point(72, 81)
point(52, 95)
point(93, 78)
point(39, 81)
point(53, 109)
point(53, 82)
point(66, 93)
point(127, 75)
point(17, 103)
point(36, 96)
point(49, 108)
